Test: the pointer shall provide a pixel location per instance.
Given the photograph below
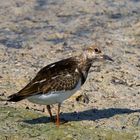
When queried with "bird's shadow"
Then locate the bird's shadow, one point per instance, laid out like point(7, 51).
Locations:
point(92, 114)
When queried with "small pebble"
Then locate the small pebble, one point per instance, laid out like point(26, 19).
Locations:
point(123, 127)
point(27, 107)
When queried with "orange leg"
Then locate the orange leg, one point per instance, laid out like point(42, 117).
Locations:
point(49, 111)
point(58, 115)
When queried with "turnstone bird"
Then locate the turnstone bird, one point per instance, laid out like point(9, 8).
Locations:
point(58, 81)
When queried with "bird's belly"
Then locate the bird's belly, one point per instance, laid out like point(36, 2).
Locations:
point(52, 98)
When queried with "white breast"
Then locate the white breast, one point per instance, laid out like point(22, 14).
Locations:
point(54, 97)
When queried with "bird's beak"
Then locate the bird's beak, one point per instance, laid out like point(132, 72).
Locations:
point(106, 57)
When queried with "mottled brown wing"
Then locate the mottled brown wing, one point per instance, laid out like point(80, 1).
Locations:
point(57, 76)
point(63, 81)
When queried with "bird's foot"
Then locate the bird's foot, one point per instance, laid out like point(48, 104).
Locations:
point(62, 121)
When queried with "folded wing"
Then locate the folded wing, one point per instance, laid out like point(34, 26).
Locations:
point(58, 76)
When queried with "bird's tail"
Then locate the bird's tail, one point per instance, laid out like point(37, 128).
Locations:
point(14, 98)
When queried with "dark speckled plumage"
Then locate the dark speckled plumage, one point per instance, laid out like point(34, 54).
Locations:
point(58, 76)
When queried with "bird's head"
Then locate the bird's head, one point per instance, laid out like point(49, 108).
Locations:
point(94, 53)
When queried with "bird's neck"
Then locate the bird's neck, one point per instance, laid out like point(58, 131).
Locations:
point(84, 65)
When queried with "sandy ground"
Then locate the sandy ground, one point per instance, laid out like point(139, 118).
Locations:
point(35, 33)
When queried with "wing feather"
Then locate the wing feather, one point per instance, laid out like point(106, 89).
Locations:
point(57, 76)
